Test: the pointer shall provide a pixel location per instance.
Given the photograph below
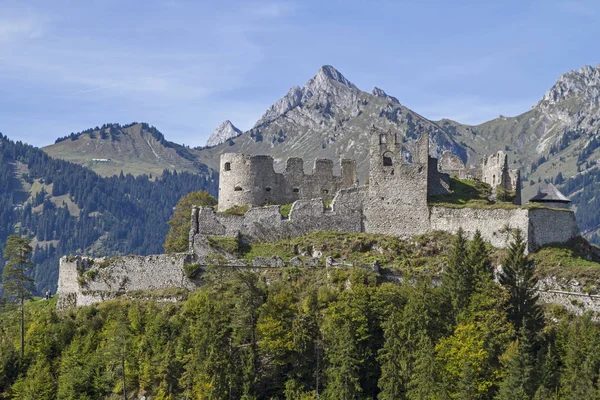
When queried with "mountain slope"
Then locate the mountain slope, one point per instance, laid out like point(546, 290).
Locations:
point(67, 209)
point(329, 117)
point(135, 149)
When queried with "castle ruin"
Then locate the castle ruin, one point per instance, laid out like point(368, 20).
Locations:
point(396, 200)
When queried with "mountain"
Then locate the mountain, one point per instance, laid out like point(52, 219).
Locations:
point(136, 149)
point(329, 117)
point(225, 131)
point(68, 209)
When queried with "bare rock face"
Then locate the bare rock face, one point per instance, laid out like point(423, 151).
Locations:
point(225, 131)
point(327, 83)
point(582, 85)
point(380, 93)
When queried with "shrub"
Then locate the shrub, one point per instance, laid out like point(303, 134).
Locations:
point(236, 210)
point(285, 209)
point(191, 270)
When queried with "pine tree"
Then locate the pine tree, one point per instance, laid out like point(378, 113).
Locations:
point(424, 383)
point(518, 278)
point(478, 260)
point(458, 279)
point(518, 384)
point(15, 277)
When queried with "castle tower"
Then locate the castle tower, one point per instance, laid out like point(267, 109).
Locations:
point(396, 202)
point(246, 180)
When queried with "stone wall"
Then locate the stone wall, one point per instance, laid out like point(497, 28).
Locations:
point(252, 180)
point(490, 222)
point(551, 226)
point(495, 171)
point(267, 223)
point(84, 281)
point(539, 226)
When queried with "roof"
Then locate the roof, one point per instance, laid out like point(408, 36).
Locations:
point(550, 194)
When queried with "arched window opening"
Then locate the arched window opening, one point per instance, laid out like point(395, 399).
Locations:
point(238, 189)
point(382, 138)
point(493, 180)
point(227, 166)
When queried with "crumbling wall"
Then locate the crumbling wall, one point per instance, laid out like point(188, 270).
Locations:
point(452, 165)
point(396, 202)
point(252, 180)
point(267, 223)
point(83, 281)
point(438, 183)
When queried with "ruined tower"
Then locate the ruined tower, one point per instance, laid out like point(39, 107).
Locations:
point(252, 181)
point(495, 172)
point(396, 200)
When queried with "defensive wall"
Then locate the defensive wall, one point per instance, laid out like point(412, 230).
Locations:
point(83, 280)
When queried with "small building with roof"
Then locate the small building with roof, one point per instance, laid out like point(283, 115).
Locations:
point(550, 196)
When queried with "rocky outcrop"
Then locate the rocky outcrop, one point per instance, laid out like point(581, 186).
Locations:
point(223, 133)
point(380, 93)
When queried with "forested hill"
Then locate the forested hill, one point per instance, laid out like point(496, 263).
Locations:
point(68, 209)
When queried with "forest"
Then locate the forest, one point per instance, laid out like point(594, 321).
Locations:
point(117, 215)
point(308, 333)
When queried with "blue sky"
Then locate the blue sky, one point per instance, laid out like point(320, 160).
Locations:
point(185, 66)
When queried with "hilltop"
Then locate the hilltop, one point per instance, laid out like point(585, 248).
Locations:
point(135, 149)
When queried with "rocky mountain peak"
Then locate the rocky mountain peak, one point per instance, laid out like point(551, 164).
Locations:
point(583, 84)
point(380, 93)
point(327, 82)
point(328, 74)
point(225, 131)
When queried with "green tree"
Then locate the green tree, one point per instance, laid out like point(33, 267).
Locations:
point(403, 330)
point(18, 286)
point(518, 382)
point(458, 279)
point(180, 222)
point(518, 279)
point(424, 383)
point(478, 260)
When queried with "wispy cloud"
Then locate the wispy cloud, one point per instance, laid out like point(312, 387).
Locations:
point(19, 25)
point(580, 8)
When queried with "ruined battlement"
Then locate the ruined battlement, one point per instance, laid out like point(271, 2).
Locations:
point(252, 180)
